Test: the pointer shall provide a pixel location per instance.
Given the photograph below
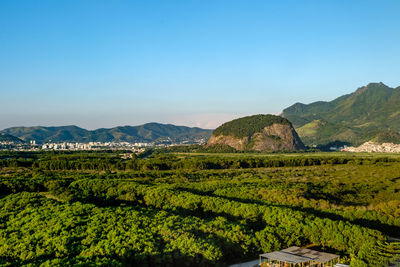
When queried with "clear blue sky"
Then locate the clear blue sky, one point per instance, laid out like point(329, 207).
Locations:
point(107, 63)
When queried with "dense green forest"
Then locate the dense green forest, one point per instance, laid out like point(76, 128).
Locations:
point(195, 209)
point(247, 126)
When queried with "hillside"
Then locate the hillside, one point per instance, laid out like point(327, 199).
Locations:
point(149, 132)
point(9, 138)
point(368, 113)
point(257, 133)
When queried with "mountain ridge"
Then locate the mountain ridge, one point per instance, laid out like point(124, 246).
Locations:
point(356, 117)
point(148, 132)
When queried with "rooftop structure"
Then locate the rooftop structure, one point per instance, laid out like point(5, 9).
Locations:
point(296, 256)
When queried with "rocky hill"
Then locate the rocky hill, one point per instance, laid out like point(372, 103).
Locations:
point(257, 133)
point(149, 132)
point(372, 112)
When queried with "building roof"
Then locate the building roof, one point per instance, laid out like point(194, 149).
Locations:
point(286, 257)
point(298, 255)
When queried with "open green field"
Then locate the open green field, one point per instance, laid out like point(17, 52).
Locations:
point(195, 209)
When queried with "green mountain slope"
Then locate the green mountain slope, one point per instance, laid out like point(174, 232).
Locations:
point(247, 126)
point(357, 117)
point(9, 138)
point(144, 133)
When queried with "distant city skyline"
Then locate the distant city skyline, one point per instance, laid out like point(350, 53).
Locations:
point(101, 64)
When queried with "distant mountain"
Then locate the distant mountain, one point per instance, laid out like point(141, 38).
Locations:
point(371, 112)
point(149, 132)
point(9, 138)
point(256, 133)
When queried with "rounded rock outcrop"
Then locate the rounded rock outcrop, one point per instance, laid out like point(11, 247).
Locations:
point(265, 133)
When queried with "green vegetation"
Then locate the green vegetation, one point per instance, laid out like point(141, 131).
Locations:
point(247, 126)
point(387, 137)
point(9, 138)
point(148, 132)
point(195, 209)
point(366, 114)
point(311, 128)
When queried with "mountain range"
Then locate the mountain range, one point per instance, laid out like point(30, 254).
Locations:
point(150, 132)
point(372, 112)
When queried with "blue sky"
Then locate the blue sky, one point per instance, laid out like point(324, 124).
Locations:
point(198, 63)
